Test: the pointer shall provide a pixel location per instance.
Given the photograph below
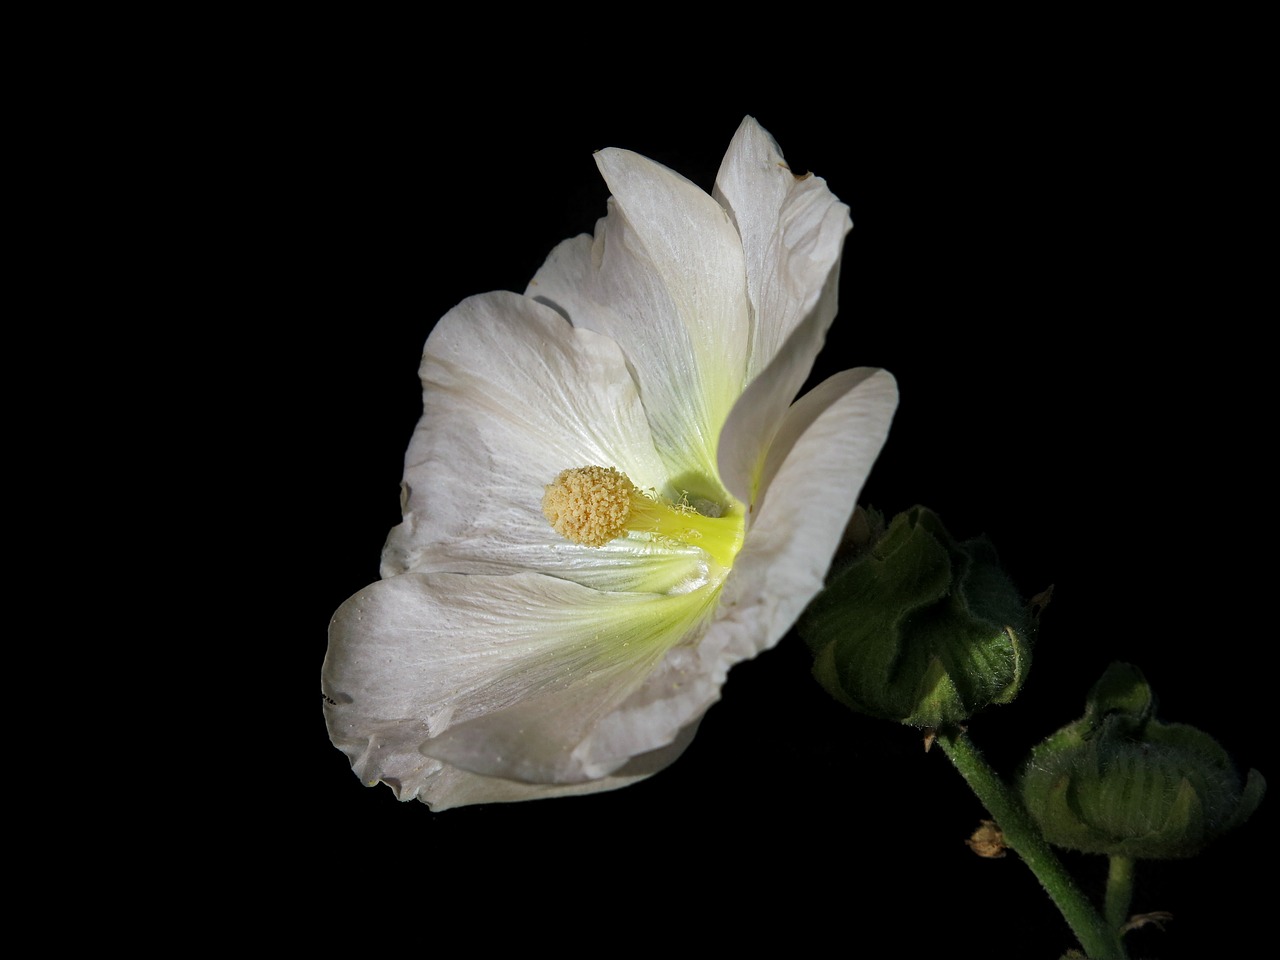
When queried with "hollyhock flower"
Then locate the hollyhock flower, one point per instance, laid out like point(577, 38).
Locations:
point(611, 497)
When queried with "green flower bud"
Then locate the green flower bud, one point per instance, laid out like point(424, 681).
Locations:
point(1119, 782)
point(918, 628)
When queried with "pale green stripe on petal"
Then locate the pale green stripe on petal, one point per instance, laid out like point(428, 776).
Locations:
point(664, 277)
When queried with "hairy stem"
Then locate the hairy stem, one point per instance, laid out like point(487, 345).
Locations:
point(1100, 940)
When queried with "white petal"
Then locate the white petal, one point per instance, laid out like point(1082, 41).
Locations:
point(665, 278)
point(500, 676)
point(442, 786)
point(816, 468)
point(792, 232)
point(748, 434)
point(512, 395)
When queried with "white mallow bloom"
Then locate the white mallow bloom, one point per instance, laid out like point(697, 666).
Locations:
point(610, 498)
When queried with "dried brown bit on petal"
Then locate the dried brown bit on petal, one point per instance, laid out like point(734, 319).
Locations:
point(1158, 917)
point(1041, 600)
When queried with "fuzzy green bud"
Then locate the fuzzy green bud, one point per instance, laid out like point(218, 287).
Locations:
point(1119, 782)
point(919, 628)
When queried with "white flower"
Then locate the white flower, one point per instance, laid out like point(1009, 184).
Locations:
point(638, 397)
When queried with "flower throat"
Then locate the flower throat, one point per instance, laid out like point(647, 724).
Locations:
point(596, 505)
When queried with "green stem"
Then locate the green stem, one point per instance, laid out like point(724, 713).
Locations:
point(1119, 891)
point(1099, 940)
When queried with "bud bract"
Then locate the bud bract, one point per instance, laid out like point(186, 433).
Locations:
point(1119, 782)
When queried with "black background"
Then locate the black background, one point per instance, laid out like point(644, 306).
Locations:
point(1060, 274)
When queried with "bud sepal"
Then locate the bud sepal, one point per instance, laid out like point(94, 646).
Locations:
point(920, 628)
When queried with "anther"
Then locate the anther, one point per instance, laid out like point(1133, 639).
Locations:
point(589, 505)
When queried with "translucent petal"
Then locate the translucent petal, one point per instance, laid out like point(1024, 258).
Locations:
point(500, 676)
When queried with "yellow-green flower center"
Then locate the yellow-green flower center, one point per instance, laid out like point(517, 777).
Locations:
point(596, 505)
